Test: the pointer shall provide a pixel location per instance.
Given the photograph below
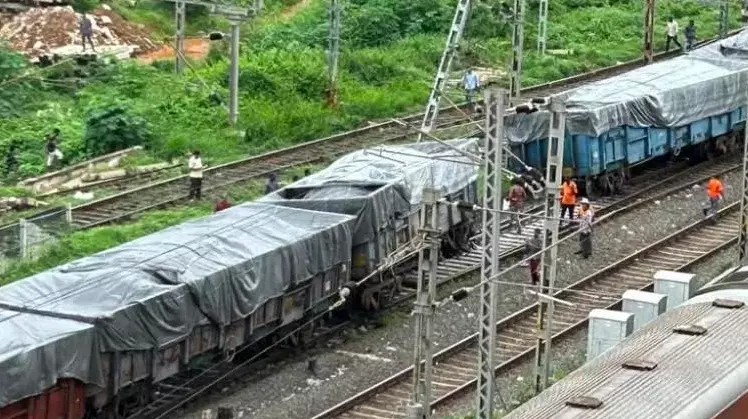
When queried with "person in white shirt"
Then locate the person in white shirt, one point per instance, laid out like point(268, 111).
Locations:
point(672, 34)
point(196, 175)
point(471, 83)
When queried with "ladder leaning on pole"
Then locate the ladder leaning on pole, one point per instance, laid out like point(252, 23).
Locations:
point(445, 65)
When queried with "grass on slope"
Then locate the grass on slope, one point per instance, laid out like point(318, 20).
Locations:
point(386, 67)
point(281, 82)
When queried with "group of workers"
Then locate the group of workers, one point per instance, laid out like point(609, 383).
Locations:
point(568, 198)
point(471, 80)
point(195, 166)
point(672, 34)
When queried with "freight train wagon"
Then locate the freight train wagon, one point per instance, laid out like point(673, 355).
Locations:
point(383, 188)
point(665, 370)
point(101, 335)
point(693, 104)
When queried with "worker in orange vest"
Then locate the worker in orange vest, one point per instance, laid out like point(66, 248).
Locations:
point(568, 197)
point(715, 192)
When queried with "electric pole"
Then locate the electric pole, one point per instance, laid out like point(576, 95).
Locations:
point(542, 25)
point(333, 52)
point(548, 259)
point(235, 15)
point(649, 13)
point(724, 22)
point(493, 199)
point(743, 234)
point(515, 72)
point(445, 65)
point(180, 12)
point(234, 73)
point(428, 260)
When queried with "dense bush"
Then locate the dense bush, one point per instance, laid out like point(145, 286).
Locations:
point(112, 129)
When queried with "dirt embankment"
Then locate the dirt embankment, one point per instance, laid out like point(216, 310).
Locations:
point(42, 31)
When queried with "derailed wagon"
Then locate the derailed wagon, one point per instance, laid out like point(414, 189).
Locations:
point(98, 334)
point(692, 105)
point(383, 188)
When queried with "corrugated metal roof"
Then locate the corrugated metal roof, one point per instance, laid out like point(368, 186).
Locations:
point(687, 368)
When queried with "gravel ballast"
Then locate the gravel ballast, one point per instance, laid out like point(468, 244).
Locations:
point(570, 352)
point(360, 358)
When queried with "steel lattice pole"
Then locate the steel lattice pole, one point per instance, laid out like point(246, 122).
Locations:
point(549, 258)
point(456, 32)
point(743, 234)
point(428, 259)
point(492, 200)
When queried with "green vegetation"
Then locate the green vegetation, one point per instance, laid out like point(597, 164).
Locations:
point(78, 244)
point(390, 51)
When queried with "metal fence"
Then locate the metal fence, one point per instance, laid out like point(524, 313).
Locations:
point(28, 238)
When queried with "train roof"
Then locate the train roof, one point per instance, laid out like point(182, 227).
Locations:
point(375, 183)
point(153, 291)
point(708, 81)
point(694, 376)
point(409, 167)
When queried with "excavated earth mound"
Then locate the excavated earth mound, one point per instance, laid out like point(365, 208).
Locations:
point(54, 30)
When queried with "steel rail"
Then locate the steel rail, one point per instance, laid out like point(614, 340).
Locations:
point(454, 268)
point(158, 194)
point(725, 233)
point(516, 332)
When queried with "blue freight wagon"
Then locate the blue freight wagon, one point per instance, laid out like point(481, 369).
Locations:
point(693, 104)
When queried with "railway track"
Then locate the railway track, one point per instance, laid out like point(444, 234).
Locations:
point(456, 367)
point(166, 192)
point(512, 243)
point(187, 386)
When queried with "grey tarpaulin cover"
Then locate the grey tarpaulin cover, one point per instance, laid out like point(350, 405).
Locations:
point(153, 291)
point(378, 183)
point(667, 94)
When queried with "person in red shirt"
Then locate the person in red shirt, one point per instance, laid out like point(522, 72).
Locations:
point(715, 193)
point(516, 197)
point(222, 205)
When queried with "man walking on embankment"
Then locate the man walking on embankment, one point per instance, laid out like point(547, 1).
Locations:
point(672, 34)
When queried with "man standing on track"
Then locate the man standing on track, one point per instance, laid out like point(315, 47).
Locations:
point(672, 34)
point(585, 229)
point(715, 193)
point(517, 196)
point(533, 246)
point(690, 33)
point(568, 197)
point(196, 175)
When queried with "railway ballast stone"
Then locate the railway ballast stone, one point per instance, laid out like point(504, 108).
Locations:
point(284, 392)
